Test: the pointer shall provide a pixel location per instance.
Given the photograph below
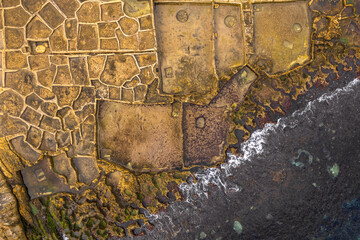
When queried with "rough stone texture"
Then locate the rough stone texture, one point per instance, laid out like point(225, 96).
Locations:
point(32, 5)
point(71, 28)
point(140, 93)
point(10, 125)
point(44, 93)
point(58, 41)
point(134, 8)
point(70, 121)
point(88, 39)
point(128, 25)
point(14, 38)
point(49, 108)
point(51, 15)
point(87, 95)
point(15, 60)
point(111, 11)
point(89, 12)
point(127, 95)
point(33, 100)
point(205, 145)
point(36, 28)
point(107, 29)
point(24, 149)
point(96, 65)
point(109, 44)
point(22, 81)
point(68, 7)
point(127, 42)
point(146, 23)
point(34, 136)
point(146, 59)
point(63, 76)
point(10, 220)
point(15, 17)
point(41, 181)
point(62, 165)
point(118, 69)
point(50, 124)
point(63, 138)
point(146, 75)
point(66, 95)
point(86, 168)
point(141, 138)
point(11, 103)
point(48, 142)
point(146, 40)
point(31, 116)
point(46, 77)
point(79, 72)
point(39, 62)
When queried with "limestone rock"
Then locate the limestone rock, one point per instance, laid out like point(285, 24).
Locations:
point(111, 11)
point(127, 42)
point(31, 116)
point(87, 169)
point(48, 142)
point(71, 28)
point(36, 28)
point(34, 136)
point(49, 108)
point(50, 124)
point(107, 29)
point(88, 37)
point(11, 103)
point(127, 95)
point(22, 81)
point(51, 15)
point(66, 94)
point(33, 100)
point(146, 75)
point(96, 65)
point(87, 95)
point(16, 17)
point(146, 22)
point(68, 7)
point(39, 62)
point(24, 149)
point(15, 60)
point(119, 69)
point(44, 93)
point(140, 93)
point(146, 59)
point(79, 71)
point(58, 40)
point(63, 76)
point(62, 165)
point(32, 5)
point(10, 126)
point(146, 40)
point(129, 26)
point(46, 77)
point(63, 139)
point(109, 44)
point(14, 38)
point(89, 12)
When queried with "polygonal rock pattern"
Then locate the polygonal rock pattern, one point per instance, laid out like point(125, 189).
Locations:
point(87, 169)
point(118, 69)
point(65, 59)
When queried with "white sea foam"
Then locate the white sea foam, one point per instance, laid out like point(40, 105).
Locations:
point(253, 147)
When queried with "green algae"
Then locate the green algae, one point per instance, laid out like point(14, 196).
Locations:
point(237, 227)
